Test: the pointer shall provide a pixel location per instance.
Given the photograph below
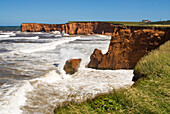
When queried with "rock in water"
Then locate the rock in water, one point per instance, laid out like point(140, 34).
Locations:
point(95, 58)
point(72, 65)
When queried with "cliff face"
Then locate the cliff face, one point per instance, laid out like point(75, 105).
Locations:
point(35, 27)
point(127, 46)
point(89, 28)
point(71, 28)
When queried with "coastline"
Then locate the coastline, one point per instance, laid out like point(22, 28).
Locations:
point(41, 60)
point(99, 80)
point(140, 96)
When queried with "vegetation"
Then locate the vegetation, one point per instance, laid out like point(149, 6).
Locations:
point(148, 95)
point(114, 22)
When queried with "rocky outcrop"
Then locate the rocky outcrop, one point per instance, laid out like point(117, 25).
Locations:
point(71, 66)
point(96, 58)
point(89, 28)
point(71, 28)
point(35, 27)
point(127, 46)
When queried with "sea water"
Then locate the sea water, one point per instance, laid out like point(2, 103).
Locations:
point(32, 79)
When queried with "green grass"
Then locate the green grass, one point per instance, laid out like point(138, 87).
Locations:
point(114, 22)
point(149, 95)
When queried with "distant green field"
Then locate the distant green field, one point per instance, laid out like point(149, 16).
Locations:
point(114, 22)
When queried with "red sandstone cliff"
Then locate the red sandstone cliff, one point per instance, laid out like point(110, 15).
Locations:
point(35, 27)
point(71, 28)
point(127, 46)
point(89, 28)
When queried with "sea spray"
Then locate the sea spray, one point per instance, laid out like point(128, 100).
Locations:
point(18, 38)
point(66, 54)
point(45, 47)
point(13, 98)
point(41, 65)
point(85, 84)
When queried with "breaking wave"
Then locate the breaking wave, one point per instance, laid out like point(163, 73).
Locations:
point(42, 85)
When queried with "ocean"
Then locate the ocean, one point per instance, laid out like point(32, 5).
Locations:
point(10, 28)
point(32, 79)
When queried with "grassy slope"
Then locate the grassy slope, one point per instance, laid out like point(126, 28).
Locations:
point(148, 95)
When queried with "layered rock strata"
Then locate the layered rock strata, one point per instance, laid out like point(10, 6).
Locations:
point(128, 46)
point(36, 27)
point(71, 28)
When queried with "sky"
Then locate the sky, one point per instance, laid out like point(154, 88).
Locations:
point(15, 12)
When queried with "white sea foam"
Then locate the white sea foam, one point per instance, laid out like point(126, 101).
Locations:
point(32, 33)
point(12, 99)
point(56, 32)
point(66, 54)
point(85, 84)
point(9, 33)
point(29, 38)
point(58, 35)
point(4, 36)
point(19, 38)
point(50, 77)
point(42, 94)
point(66, 35)
point(44, 47)
point(103, 36)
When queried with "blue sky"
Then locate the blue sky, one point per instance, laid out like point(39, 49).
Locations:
point(15, 12)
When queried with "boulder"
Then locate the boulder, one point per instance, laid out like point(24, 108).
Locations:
point(72, 65)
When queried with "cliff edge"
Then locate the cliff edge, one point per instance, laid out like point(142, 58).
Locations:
point(127, 46)
point(81, 28)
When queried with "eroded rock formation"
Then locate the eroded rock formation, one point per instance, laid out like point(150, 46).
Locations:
point(35, 27)
point(127, 46)
point(89, 28)
point(71, 28)
point(71, 66)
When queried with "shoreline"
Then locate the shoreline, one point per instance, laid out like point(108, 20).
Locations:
point(102, 79)
point(140, 96)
